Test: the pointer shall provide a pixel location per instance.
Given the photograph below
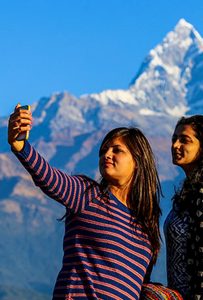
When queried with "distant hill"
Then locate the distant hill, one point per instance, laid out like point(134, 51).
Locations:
point(67, 131)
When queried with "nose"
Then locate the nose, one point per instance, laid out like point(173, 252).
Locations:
point(176, 144)
point(108, 154)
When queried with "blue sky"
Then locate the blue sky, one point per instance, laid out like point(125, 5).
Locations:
point(80, 46)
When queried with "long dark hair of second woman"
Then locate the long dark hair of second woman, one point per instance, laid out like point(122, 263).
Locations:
point(183, 196)
point(145, 194)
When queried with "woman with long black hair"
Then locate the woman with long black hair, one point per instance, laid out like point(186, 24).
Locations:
point(184, 224)
point(112, 227)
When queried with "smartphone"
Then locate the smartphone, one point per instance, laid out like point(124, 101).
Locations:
point(24, 135)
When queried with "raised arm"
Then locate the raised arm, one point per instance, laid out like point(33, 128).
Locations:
point(68, 190)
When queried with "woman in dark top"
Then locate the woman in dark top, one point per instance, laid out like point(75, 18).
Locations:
point(184, 224)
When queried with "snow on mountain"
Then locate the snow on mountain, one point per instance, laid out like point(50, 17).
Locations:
point(168, 85)
point(121, 97)
point(162, 81)
point(163, 88)
point(68, 130)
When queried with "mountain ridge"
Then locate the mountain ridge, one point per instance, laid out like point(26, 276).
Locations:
point(67, 131)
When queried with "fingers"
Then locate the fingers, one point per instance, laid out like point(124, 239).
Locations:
point(21, 116)
point(20, 121)
point(17, 106)
point(13, 134)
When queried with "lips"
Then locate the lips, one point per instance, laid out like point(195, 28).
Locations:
point(177, 155)
point(107, 164)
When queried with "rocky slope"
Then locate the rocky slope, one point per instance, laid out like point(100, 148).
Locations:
point(67, 131)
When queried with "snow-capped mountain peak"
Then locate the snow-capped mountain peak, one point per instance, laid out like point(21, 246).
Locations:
point(184, 28)
point(175, 47)
point(169, 68)
point(68, 130)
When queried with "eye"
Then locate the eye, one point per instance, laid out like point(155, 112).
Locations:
point(182, 140)
point(185, 140)
point(117, 150)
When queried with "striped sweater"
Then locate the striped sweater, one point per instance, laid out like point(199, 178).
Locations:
point(106, 253)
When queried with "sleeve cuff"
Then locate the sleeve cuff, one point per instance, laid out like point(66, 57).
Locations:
point(24, 152)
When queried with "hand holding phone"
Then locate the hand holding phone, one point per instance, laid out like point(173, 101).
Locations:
point(24, 135)
point(19, 125)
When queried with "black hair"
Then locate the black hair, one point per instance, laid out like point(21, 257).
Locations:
point(192, 183)
point(145, 192)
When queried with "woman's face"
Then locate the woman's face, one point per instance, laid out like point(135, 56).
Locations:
point(116, 163)
point(185, 148)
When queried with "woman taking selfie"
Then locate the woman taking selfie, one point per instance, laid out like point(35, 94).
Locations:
point(184, 224)
point(112, 227)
